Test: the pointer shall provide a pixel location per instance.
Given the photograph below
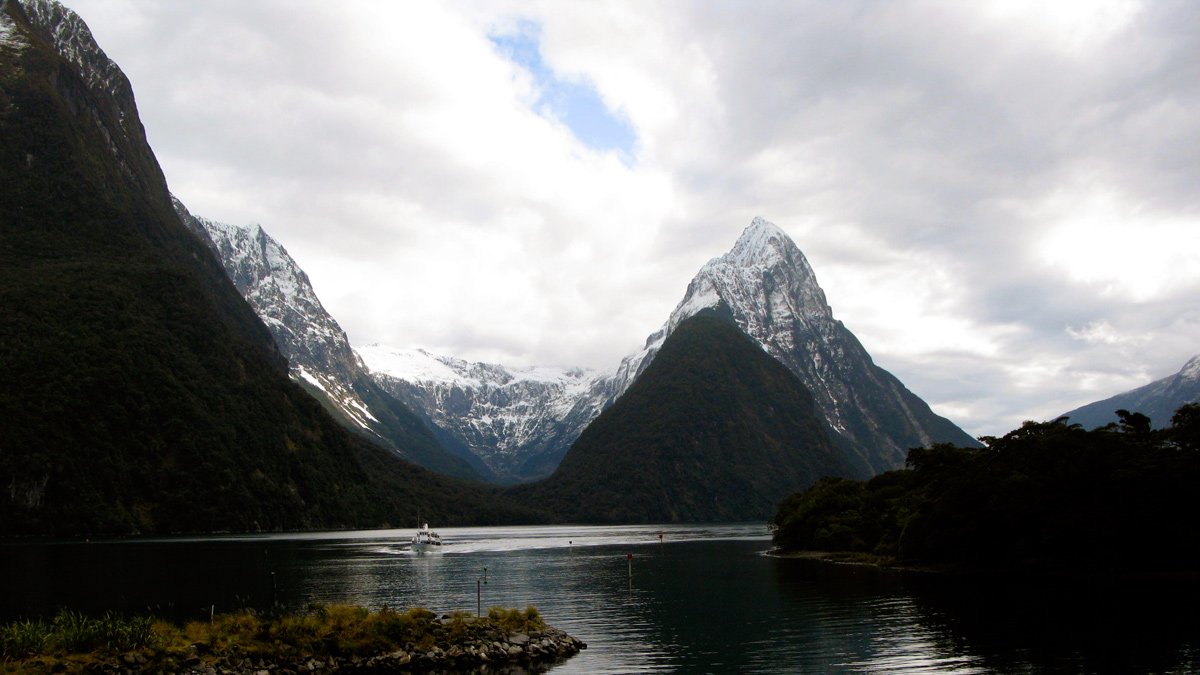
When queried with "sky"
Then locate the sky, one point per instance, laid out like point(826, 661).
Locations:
point(1001, 199)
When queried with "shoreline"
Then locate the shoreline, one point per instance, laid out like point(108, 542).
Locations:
point(1076, 572)
point(336, 639)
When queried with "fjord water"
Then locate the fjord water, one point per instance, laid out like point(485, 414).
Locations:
point(705, 600)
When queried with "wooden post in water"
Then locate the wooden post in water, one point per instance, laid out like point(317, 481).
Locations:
point(629, 559)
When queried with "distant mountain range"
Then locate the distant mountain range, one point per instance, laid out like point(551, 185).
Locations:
point(514, 425)
point(517, 421)
point(1158, 400)
point(522, 422)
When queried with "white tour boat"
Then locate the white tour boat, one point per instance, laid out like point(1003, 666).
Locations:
point(426, 539)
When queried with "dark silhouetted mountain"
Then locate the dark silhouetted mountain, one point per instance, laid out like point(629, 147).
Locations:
point(138, 391)
point(714, 429)
point(1158, 400)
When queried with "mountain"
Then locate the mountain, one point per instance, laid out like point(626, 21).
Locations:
point(714, 429)
point(316, 347)
point(1158, 400)
point(523, 425)
point(765, 285)
point(517, 421)
point(138, 391)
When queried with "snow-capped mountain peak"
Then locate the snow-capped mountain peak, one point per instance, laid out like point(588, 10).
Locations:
point(766, 286)
point(762, 244)
point(763, 280)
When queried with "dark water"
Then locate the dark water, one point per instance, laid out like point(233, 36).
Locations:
point(706, 600)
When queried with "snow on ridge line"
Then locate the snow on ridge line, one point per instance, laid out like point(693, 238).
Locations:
point(408, 364)
point(418, 365)
point(1191, 369)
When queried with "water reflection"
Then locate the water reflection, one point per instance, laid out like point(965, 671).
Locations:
point(706, 600)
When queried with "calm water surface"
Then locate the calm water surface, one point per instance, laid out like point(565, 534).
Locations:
point(705, 600)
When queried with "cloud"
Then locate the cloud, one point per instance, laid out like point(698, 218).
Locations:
point(998, 197)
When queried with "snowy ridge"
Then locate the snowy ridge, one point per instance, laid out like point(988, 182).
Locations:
point(349, 402)
point(9, 37)
point(519, 421)
point(764, 280)
point(1191, 369)
point(418, 365)
point(1158, 400)
point(73, 40)
point(280, 293)
point(316, 347)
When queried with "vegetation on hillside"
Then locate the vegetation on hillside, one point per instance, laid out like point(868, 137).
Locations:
point(714, 429)
point(1049, 495)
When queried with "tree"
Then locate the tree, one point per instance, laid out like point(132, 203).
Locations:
point(1134, 423)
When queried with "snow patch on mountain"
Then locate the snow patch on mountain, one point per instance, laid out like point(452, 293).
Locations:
point(1158, 400)
point(519, 421)
point(317, 349)
point(1191, 369)
point(9, 37)
point(73, 40)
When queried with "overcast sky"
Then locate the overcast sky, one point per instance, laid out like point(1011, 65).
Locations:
point(1000, 199)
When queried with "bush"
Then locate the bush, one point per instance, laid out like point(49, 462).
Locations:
point(515, 620)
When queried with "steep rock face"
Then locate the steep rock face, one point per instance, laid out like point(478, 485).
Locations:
point(316, 347)
point(138, 391)
point(1158, 400)
point(518, 421)
point(714, 429)
point(765, 285)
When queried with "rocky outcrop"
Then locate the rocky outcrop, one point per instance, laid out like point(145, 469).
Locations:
point(489, 650)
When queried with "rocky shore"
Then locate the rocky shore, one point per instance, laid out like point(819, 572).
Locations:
point(490, 652)
point(333, 641)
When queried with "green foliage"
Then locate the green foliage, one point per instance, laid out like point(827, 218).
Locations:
point(1045, 495)
point(322, 631)
point(515, 620)
point(74, 632)
point(23, 638)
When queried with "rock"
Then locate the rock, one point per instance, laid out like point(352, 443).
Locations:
point(518, 639)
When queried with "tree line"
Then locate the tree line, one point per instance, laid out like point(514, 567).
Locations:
point(1048, 495)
